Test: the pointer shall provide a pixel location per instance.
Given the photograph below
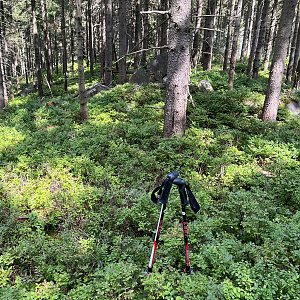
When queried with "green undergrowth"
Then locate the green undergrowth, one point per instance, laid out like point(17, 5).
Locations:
point(76, 219)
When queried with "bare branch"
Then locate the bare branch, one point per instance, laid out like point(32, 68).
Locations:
point(154, 107)
point(219, 16)
point(142, 50)
point(160, 12)
point(146, 36)
point(211, 29)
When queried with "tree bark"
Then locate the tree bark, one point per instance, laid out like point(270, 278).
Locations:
point(261, 38)
point(80, 45)
point(235, 41)
point(108, 76)
point(36, 44)
point(196, 41)
point(122, 40)
point(178, 68)
point(255, 37)
point(280, 52)
point(207, 46)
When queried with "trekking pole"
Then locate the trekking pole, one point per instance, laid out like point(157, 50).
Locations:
point(184, 202)
point(185, 193)
point(163, 195)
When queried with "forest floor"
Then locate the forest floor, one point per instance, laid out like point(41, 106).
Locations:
point(76, 219)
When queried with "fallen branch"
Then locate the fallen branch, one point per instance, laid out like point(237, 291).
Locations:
point(49, 86)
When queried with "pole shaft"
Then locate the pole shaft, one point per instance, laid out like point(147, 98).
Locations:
point(156, 238)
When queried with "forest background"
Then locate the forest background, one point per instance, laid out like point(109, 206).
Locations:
point(82, 145)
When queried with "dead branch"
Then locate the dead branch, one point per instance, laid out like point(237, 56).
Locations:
point(219, 16)
point(211, 29)
point(160, 12)
point(142, 50)
point(147, 35)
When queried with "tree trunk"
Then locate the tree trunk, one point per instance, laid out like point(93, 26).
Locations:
point(270, 40)
point(3, 98)
point(108, 43)
point(297, 76)
point(146, 27)
point(293, 55)
point(228, 37)
point(91, 38)
point(196, 41)
point(122, 40)
point(261, 38)
point(280, 52)
point(27, 55)
point(137, 33)
point(64, 44)
point(248, 29)
point(219, 23)
point(207, 46)
point(178, 68)
point(103, 44)
point(56, 54)
point(3, 84)
point(36, 44)
point(47, 46)
point(86, 39)
point(80, 45)
point(255, 37)
point(72, 51)
point(163, 40)
point(235, 41)
point(297, 56)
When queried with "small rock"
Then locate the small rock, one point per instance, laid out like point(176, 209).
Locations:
point(294, 108)
point(96, 89)
point(205, 86)
point(27, 89)
point(140, 77)
point(158, 67)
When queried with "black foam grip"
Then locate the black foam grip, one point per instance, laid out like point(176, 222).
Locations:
point(193, 202)
point(154, 198)
point(173, 175)
point(183, 196)
point(166, 192)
